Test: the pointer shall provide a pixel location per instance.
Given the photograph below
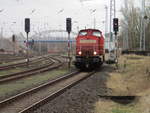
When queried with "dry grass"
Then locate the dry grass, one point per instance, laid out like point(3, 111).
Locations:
point(132, 78)
point(105, 106)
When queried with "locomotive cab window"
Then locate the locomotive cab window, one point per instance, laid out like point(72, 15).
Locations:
point(83, 33)
point(96, 33)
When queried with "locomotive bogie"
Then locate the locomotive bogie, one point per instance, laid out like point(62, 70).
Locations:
point(83, 62)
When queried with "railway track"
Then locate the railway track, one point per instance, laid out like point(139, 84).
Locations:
point(10, 66)
point(6, 58)
point(11, 58)
point(29, 100)
point(55, 63)
point(24, 63)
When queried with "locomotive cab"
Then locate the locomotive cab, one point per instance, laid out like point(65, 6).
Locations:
point(89, 49)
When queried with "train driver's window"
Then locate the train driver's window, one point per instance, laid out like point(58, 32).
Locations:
point(96, 33)
point(82, 33)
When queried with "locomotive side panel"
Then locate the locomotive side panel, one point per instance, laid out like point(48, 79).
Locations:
point(102, 45)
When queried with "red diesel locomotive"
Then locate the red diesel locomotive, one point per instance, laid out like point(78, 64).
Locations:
point(89, 49)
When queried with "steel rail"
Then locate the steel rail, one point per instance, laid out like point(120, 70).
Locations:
point(30, 70)
point(73, 80)
point(33, 60)
point(14, 98)
point(10, 66)
point(7, 60)
point(27, 73)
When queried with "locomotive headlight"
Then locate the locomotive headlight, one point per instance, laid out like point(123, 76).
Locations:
point(79, 52)
point(95, 52)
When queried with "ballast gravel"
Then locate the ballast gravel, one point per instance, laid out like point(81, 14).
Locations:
point(82, 97)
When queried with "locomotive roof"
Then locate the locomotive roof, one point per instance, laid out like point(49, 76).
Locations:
point(90, 30)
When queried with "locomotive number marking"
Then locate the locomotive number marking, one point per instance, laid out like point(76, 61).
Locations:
point(88, 41)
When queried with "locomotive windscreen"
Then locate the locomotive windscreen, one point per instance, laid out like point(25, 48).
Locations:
point(96, 33)
point(83, 33)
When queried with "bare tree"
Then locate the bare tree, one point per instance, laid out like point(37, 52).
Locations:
point(130, 27)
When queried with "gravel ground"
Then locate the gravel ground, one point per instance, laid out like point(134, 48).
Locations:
point(82, 97)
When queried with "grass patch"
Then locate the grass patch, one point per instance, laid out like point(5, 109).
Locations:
point(132, 76)
point(23, 68)
point(106, 106)
point(29, 82)
point(130, 79)
point(123, 110)
point(10, 71)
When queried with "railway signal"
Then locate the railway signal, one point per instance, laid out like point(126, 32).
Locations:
point(115, 25)
point(68, 29)
point(13, 40)
point(68, 25)
point(116, 29)
point(27, 30)
point(27, 25)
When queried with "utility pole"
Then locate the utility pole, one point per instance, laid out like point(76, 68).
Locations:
point(1, 32)
point(142, 30)
point(94, 22)
point(126, 36)
point(1, 27)
point(114, 8)
point(110, 27)
point(1, 38)
point(106, 19)
point(112, 14)
point(106, 24)
point(143, 4)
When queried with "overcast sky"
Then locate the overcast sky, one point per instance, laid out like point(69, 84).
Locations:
point(52, 14)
